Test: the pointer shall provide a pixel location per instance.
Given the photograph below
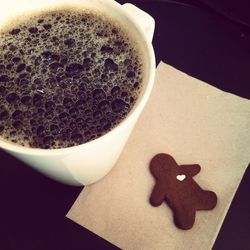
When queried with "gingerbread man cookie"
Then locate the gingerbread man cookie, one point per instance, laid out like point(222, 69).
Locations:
point(175, 185)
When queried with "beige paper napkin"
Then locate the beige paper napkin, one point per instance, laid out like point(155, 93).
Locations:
point(194, 122)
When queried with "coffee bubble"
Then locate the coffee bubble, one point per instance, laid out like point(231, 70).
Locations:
point(4, 115)
point(17, 115)
point(1, 128)
point(33, 30)
point(4, 78)
point(26, 100)
point(118, 105)
point(12, 98)
point(2, 90)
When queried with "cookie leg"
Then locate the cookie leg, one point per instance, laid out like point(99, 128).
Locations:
point(184, 218)
point(206, 200)
point(157, 196)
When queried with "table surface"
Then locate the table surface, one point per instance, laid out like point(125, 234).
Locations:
point(195, 40)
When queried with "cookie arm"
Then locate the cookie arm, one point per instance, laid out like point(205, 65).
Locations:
point(157, 196)
point(190, 170)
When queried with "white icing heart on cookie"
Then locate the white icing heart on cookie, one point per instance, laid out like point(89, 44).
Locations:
point(181, 177)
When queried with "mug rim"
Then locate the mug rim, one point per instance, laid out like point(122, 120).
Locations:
point(138, 106)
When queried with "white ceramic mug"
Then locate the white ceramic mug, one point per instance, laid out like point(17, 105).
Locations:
point(87, 163)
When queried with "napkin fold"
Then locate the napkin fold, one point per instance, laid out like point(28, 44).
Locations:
point(195, 123)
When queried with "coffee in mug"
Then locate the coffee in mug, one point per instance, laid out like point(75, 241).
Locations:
point(67, 76)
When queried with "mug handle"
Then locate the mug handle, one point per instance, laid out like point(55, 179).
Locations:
point(146, 21)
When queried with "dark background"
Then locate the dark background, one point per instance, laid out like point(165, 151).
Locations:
point(208, 39)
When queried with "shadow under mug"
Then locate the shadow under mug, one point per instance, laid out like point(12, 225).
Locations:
point(87, 163)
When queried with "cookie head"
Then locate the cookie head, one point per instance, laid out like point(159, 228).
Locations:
point(162, 165)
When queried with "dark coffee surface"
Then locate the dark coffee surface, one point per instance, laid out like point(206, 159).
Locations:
point(66, 77)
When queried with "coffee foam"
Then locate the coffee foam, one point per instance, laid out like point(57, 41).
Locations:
point(66, 77)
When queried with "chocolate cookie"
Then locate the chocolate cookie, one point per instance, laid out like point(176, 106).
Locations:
point(175, 185)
